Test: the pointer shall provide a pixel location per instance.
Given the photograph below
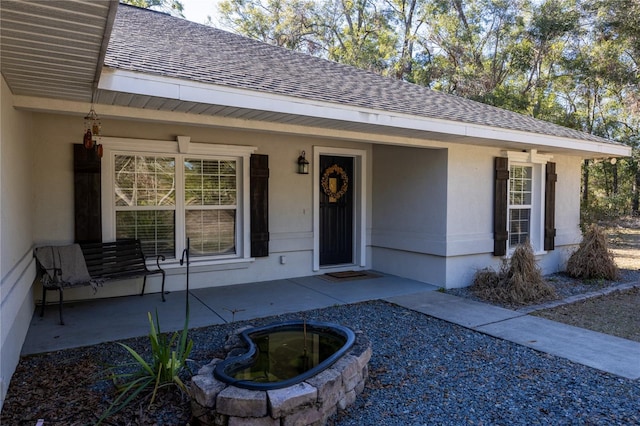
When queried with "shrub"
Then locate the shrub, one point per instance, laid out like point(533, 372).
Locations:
point(518, 282)
point(599, 209)
point(592, 259)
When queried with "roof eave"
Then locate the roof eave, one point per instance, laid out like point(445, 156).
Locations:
point(111, 17)
point(124, 81)
point(371, 134)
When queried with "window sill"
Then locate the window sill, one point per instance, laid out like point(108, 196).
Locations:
point(173, 266)
point(536, 253)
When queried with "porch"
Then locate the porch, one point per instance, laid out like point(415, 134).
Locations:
point(94, 321)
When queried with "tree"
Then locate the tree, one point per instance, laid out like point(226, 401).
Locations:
point(172, 7)
point(611, 74)
point(353, 32)
point(470, 48)
point(405, 16)
point(282, 23)
point(363, 36)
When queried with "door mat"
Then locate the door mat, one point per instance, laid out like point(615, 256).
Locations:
point(349, 276)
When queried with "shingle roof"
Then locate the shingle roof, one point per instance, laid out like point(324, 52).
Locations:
point(156, 43)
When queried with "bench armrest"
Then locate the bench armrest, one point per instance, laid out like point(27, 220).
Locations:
point(158, 259)
point(52, 280)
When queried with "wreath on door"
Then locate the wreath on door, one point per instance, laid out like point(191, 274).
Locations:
point(326, 187)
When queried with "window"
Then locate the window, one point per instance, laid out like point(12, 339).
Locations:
point(520, 199)
point(524, 201)
point(166, 198)
point(210, 205)
point(145, 203)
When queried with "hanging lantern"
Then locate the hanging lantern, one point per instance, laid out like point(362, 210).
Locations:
point(92, 127)
point(88, 139)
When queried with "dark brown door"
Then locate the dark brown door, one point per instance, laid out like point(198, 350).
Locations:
point(336, 210)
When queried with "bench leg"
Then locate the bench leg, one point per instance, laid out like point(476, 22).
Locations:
point(44, 300)
point(60, 306)
point(60, 302)
point(144, 284)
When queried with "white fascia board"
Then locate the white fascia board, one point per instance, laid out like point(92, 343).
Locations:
point(190, 91)
point(139, 83)
point(537, 139)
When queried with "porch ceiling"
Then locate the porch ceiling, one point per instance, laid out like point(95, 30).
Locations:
point(54, 48)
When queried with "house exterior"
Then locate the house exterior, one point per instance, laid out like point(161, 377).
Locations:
point(201, 133)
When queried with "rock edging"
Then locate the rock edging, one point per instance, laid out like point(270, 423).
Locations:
point(310, 402)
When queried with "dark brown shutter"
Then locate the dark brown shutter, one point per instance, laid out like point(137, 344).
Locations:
point(500, 233)
point(87, 195)
point(550, 207)
point(259, 188)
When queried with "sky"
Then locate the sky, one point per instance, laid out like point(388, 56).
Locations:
point(198, 10)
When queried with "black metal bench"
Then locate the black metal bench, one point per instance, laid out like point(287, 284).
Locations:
point(116, 260)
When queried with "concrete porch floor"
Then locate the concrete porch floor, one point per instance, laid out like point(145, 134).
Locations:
point(104, 320)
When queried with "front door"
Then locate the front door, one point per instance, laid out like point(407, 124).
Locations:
point(336, 210)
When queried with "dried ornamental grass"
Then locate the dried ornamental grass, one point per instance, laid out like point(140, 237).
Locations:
point(487, 283)
point(525, 281)
point(519, 281)
point(593, 260)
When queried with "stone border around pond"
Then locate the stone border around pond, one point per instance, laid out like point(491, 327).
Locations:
point(311, 402)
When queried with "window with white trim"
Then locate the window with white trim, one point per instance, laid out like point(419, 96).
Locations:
point(525, 199)
point(520, 203)
point(210, 205)
point(145, 201)
point(166, 198)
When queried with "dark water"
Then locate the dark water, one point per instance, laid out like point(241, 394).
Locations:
point(283, 355)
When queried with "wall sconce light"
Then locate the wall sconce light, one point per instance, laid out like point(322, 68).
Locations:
point(303, 164)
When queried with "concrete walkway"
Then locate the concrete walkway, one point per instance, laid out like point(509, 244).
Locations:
point(103, 320)
point(602, 351)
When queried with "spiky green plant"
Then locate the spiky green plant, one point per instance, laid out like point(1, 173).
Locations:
point(169, 360)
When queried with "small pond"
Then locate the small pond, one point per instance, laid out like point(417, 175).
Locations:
point(283, 354)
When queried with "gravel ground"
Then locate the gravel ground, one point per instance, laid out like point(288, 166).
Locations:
point(424, 371)
point(427, 372)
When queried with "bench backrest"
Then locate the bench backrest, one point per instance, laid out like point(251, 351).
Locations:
point(114, 258)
